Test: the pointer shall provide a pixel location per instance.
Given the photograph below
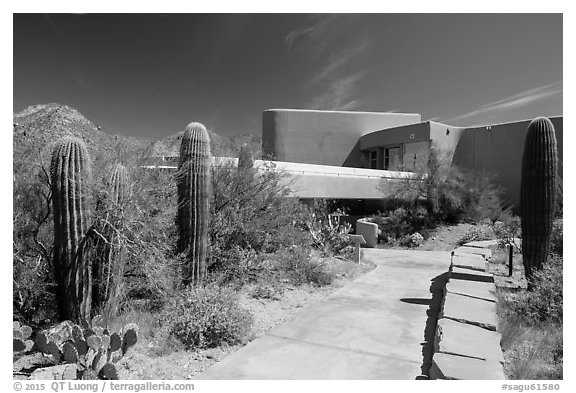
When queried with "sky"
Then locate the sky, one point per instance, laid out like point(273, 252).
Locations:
point(149, 75)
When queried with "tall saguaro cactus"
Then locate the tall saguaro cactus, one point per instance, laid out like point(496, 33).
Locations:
point(194, 171)
point(118, 184)
point(538, 193)
point(109, 267)
point(70, 173)
point(245, 158)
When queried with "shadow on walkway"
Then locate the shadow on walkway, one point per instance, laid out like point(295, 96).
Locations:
point(434, 304)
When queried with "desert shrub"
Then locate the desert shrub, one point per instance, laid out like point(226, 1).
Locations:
point(267, 290)
point(205, 317)
point(534, 353)
point(251, 209)
point(298, 266)
point(507, 229)
point(448, 193)
point(33, 290)
point(476, 233)
point(152, 266)
point(416, 240)
point(544, 303)
point(557, 238)
point(401, 223)
point(238, 266)
point(328, 236)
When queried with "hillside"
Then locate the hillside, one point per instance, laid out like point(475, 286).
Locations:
point(37, 127)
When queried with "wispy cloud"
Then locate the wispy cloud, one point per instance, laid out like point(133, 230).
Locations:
point(337, 47)
point(337, 61)
point(339, 94)
point(320, 24)
point(522, 99)
point(293, 35)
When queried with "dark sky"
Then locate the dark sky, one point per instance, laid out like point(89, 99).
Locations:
point(149, 75)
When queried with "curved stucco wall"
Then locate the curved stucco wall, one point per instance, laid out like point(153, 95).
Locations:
point(323, 137)
point(498, 151)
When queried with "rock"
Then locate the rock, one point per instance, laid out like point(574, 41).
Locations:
point(487, 254)
point(446, 366)
point(470, 310)
point(474, 289)
point(467, 340)
point(60, 333)
point(469, 262)
point(458, 273)
point(63, 371)
point(482, 243)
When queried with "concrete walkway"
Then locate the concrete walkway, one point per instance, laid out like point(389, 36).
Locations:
point(376, 327)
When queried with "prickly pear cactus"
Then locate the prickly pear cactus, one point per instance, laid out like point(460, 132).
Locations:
point(21, 335)
point(92, 348)
point(70, 173)
point(193, 178)
point(538, 193)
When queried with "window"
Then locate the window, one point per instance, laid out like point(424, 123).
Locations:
point(373, 159)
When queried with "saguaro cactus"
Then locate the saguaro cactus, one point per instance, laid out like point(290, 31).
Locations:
point(538, 193)
point(118, 184)
point(109, 268)
point(194, 171)
point(245, 158)
point(70, 173)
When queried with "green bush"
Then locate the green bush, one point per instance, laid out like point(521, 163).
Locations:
point(507, 229)
point(238, 266)
point(250, 209)
point(402, 223)
point(206, 317)
point(268, 290)
point(475, 234)
point(544, 303)
point(297, 264)
point(557, 238)
point(448, 193)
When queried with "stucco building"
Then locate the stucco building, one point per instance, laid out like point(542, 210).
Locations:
point(398, 142)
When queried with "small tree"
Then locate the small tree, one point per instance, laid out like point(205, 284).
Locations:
point(445, 191)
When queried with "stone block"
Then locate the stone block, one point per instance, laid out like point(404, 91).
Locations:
point(475, 289)
point(446, 366)
point(482, 243)
point(467, 262)
point(470, 310)
point(461, 339)
point(486, 253)
point(459, 273)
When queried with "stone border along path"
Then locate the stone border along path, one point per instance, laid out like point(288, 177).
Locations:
point(467, 343)
point(380, 326)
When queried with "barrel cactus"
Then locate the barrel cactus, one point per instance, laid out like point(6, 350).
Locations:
point(70, 173)
point(110, 261)
point(193, 178)
point(538, 193)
